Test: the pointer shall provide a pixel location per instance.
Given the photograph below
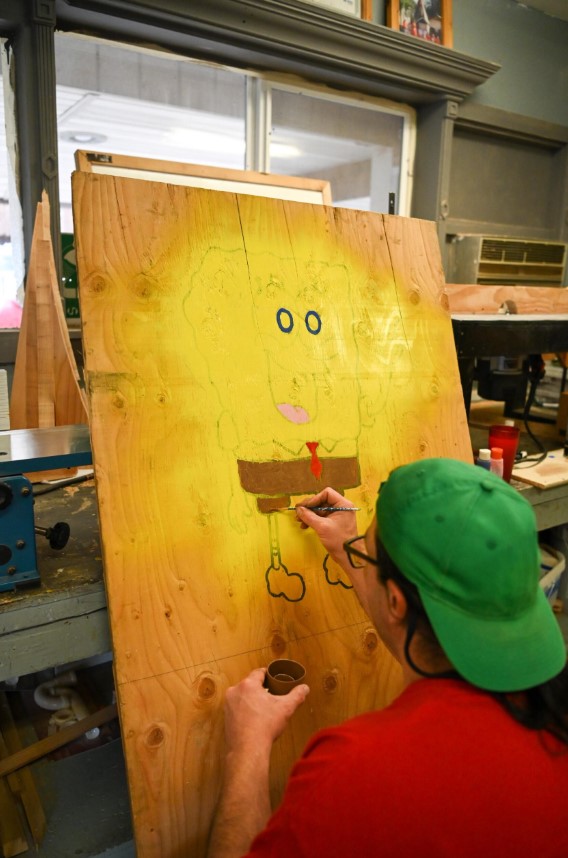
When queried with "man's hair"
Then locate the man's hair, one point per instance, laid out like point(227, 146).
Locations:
point(543, 707)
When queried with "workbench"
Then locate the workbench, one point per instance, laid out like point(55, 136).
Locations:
point(550, 505)
point(64, 619)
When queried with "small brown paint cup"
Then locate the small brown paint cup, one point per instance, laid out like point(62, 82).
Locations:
point(283, 675)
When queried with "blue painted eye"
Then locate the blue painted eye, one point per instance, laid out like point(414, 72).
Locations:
point(313, 322)
point(285, 320)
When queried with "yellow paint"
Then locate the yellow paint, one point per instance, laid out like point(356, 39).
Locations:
point(189, 372)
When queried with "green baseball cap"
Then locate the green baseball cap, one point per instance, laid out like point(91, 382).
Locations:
point(468, 541)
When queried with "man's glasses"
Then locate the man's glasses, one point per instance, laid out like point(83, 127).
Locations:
point(354, 554)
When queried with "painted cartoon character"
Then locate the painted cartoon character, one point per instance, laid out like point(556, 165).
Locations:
point(308, 398)
point(275, 333)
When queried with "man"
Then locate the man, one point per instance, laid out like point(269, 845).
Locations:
point(471, 760)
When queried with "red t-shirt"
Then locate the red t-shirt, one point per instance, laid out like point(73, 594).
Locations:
point(444, 772)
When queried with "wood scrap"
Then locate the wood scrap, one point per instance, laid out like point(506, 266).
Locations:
point(13, 838)
point(474, 298)
point(22, 782)
point(45, 746)
point(552, 471)
point(45, 388)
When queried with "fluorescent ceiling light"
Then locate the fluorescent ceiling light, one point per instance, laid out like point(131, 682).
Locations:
point(207, 141)
point(82, 137)
point(210, 141)
point(284, 150)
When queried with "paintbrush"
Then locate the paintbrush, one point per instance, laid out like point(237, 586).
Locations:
point(319, 508)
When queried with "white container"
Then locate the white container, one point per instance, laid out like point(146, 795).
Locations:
point(496, 461)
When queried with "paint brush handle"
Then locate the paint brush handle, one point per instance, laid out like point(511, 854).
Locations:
point(325, 508)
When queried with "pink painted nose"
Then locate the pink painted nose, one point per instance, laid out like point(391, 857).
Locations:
point(293, 413)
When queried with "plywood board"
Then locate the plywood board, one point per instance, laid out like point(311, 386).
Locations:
point(298, 188)
point(552, 471)
point(222, 334)
point(471, 298)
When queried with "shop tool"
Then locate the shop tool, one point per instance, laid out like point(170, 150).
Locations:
point(23, 451)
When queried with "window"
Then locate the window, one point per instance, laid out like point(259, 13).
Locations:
point(127, 101)
point(131, 101)
point(11, 235)
point(363, 147)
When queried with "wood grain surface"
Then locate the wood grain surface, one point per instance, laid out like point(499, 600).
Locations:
point(471, 298)
point(45, 389)
point(222, 328)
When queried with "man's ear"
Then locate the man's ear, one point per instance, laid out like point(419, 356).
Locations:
point(396, 601)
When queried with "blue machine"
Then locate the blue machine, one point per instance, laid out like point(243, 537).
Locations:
point(23, 451)
point(18, 564)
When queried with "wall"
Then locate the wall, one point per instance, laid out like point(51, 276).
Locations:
point(532, 49)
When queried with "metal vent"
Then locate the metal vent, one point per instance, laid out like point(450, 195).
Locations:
point(506, 250)
point(500, 259)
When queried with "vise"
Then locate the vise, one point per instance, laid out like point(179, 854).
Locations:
point(23, 451)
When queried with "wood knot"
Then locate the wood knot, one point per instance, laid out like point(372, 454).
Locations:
point(278, 644)
point(155, 737)
point(97, 283)
point(414, 296)
point(363, 330)
point(370, 641)
point(206, 688)
point(330, 682)
point(118, 400)
point(168, 612)
point(143, 287)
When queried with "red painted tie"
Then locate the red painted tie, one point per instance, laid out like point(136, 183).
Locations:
point(316, 466)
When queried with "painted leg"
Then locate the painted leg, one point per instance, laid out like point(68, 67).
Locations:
point(280, 582)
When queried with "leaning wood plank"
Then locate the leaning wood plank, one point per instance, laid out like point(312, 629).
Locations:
point(45, 342)
point(57, 740)
point(12, 835)
point(33, 388)
point(209, 320)
point(16, 786)
point(464, 298)
point(45, 388)
point(21, 782)
point(220, 178)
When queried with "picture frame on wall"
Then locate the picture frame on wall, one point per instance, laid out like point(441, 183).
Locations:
point(347, 7)
point(430, 20)
point(358, 8)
